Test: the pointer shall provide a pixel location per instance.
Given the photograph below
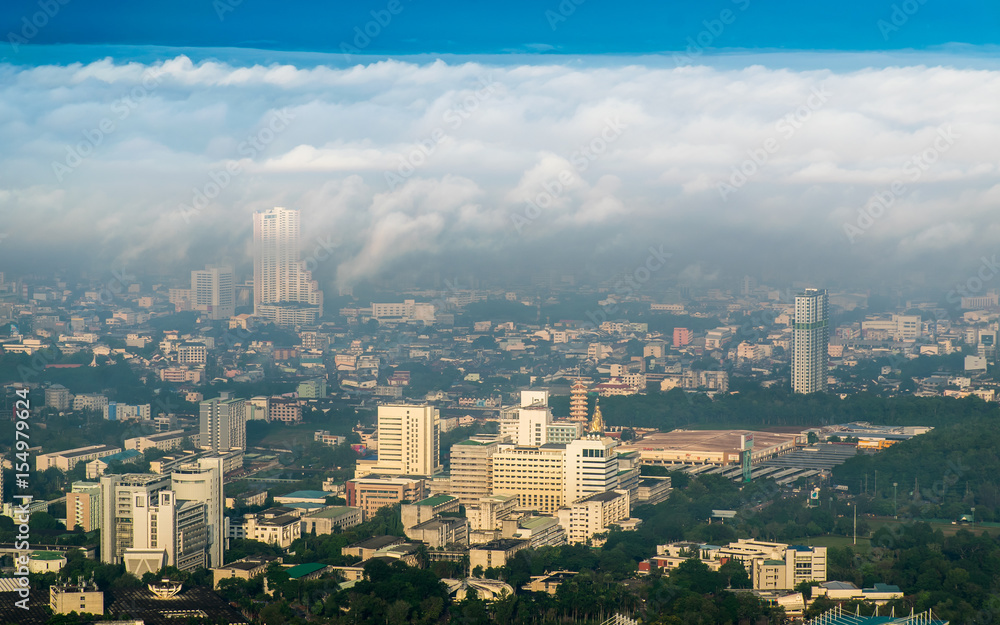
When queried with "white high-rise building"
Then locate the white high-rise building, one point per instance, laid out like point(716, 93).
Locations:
point(409, 441)
point(527, 424)
point(119, 495)
point(204, 483)
point(811, 337)
point(591, 467)
point(283, 289)
point(213, 291)
point(223, 424)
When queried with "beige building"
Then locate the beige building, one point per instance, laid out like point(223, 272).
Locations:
point(777, 566)
point(247, 568)
point(440, 532)
point(166, 441)
point(66, 460)
point(495, 554)
point(534, 474)
point(426, 509)
point(592, 515)
point(539, 531)
point(83, 506)
point(408, 441)
point(275, 526)
point(489, 513)
point(330, 520)
point(472, 470)
point(82, 598)
point(374, 492)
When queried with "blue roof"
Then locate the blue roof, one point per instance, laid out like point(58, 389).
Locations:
point(122, 456)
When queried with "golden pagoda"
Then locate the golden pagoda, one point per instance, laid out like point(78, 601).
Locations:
point(597, 423)
point(578, 402)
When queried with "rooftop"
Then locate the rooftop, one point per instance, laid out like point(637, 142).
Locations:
point(301, 570)
point(436, 500)
point(334, 512)
point(308, 494)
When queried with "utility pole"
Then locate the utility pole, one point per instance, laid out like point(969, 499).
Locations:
point(855, 523)
point(894, 514)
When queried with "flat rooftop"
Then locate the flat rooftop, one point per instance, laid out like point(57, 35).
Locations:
point(334, 512)
point(707, 440)
point(436, 500)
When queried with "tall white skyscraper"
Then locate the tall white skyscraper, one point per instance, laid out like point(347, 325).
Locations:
point(212, 291)
point(283, 289)
point(811, 337)
point(223, 424)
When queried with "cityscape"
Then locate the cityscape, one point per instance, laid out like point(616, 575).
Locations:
point(448, 317)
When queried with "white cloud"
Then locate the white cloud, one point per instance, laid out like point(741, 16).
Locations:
point(481, 155)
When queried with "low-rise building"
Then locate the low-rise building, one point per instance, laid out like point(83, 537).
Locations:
point(427, 509)
point(592, 515)
point(331, 519)
point(167, 441)
point(441, 532)
point(370, 493)
point(82, 598)
point(247, 568)
point(275, 526)
point(66, 460)
point(496, 553)
point(549, 582)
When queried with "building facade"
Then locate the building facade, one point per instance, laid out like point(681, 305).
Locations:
point(811, 337)
point(283, 289)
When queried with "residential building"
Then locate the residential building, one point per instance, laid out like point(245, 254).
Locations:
point(166, 441)
point(124, 412)
point(90, 401)
point(191, 353)
point(283, 289)
point(213, 291)
point(285, 409)
point(223, 424)
point(811, 339)
point(312, 389)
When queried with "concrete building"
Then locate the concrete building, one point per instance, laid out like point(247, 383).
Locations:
point(441, 532)
point(191, 353)
point(591, 467)
point(312, 389)
point(592, 515)
point(276, 526)
point(119, 494)
point(495, 554)
point(246, 568)
point(426, 509)
point(82, 598)
point(285, 409)
point(83, 506)
point(408, 311)
point(57, 396)
point(534, 474)
point(336, 518)
point(409, 438)
point(284, 291)
point(125, 412)
point(777, 566)
point(373, 492)
point(167, 530)
point(539, 531)
point(213, 291)
point(90, 401)
point(811, 337)
point(166, 441)
point(203, 482)
point(223, 424)
point(721, 447)
point(66, 460)
point(472, 470)
point(489, 512)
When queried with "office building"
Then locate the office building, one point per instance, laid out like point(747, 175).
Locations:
point(167, 531)
point(810, 341)
point(223, 424)
point(777, 566)
point(283, 289)
point(408, 441)
point(66, 460)
point(212, 291)
point(82, 598)
point(373, 492)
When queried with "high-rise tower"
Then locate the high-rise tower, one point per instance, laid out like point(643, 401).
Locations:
point(212, 290)
point(811, 337)
point(283, 289)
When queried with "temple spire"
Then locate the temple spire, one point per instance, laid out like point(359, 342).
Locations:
point(597, 423)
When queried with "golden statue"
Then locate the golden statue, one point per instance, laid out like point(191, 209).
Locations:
point(597, 423)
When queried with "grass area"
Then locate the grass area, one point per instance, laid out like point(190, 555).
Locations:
point(863, 546)
point(946, 528)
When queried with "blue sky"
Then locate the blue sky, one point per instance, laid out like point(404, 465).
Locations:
point(591, 27)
